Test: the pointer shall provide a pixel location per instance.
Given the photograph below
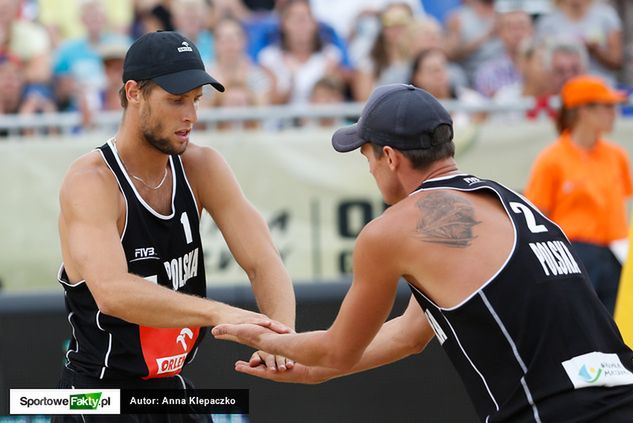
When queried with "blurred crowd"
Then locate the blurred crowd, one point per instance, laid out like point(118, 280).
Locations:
point(67, 55)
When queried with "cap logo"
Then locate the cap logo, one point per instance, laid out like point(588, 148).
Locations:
point(185, 48)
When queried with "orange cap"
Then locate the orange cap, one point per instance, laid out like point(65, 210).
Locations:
point(586, 89)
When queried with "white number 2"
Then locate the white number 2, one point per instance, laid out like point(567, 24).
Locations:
point(529, 217)
point(184, 219)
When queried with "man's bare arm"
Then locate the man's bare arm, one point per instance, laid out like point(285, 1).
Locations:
point(398, 338)
point(245, 232)
point(364, 310)
point(92, 247)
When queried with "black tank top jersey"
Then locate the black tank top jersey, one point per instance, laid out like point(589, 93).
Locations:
point(165, 250)
point(534, 344)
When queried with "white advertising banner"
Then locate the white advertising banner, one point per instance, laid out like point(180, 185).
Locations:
point(314, 199)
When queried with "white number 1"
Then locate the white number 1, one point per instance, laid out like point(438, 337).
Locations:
point(184, 219)
point(529, 217)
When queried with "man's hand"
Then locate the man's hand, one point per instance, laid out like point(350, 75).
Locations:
point(235, 316)
point(259, 333)
point(271, 362)
point(297, 374)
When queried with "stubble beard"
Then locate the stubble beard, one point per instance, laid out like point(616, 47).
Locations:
point(150, 131)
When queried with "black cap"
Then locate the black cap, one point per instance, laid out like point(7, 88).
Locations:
point(398, 115)
point(170, 60)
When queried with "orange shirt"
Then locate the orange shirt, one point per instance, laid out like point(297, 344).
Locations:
point(583, 190)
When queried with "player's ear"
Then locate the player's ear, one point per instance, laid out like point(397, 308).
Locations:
point(132, 92)
point(392, 156)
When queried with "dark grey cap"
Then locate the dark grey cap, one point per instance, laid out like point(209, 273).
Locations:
point(398, 115)
point(169, 59)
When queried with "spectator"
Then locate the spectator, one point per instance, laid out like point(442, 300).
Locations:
point(471, 36)
point(362, 36)
point(342, 14)
point(15, 98)
point(112, 55)
point(237, 94)
point(625, 11)
point(328, 90)
point(301, 57)
point(430, 72)
point(78, 69)
point(11, 85)
point(582, 181)
point(232, 64)
point(440, 9)
point(564, 59)
point(235, 9)
point(513, 27)
point(63, 21)
point(189, 18)
point(260, 6)
point(593, 23)
point(27, 41)
point(266, 30)
point(390, 56)
point(425, 33)
point(536, 83)
point(151, 16)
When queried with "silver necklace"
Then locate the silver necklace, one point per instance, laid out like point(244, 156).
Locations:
point(160, 184)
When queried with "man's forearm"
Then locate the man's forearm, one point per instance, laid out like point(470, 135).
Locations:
point(275, 294)
point(145, 303)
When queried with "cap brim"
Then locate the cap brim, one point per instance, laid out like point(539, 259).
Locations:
point(347, 139)
point(616, 97)
point(181, 82)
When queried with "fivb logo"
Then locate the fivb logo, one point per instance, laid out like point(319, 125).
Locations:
point(64, 401)
point(144, 252)
point(471, 180)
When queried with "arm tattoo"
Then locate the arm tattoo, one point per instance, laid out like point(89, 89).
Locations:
point(446, 219)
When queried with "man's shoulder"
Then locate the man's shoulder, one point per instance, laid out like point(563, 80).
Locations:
point(397, 219)
point(88, 171)
point(87, 162)
point(197, 155)
point(200, 160)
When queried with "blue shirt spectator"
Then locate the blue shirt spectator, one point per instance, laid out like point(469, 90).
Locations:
point(265, 31)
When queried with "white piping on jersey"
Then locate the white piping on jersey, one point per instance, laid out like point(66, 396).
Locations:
point(505, 263)
point(60, 280)
point(144, 258)
point(184, 386)
point(483, 378)
point(138, 196)
point(442, 178)
point(120, 189)
point(70, 315)
point(107, 355)
point(530, 399)
point(195, 352)
point(517, 356)
point(536, 209)
point(195, 202)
